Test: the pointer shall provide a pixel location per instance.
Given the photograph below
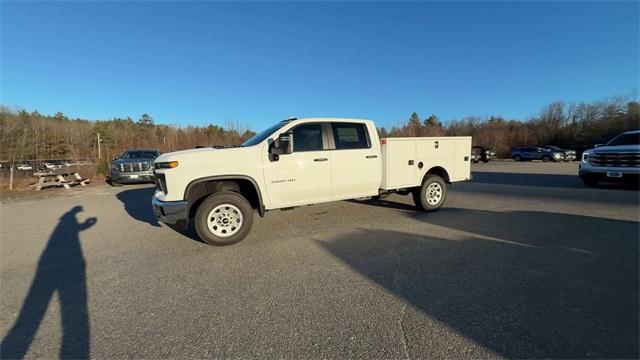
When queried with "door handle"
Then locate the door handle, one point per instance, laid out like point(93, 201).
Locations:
point(372, 156)
point(320, 159)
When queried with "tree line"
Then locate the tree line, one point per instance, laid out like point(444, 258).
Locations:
point(31, 135)
point(572, 126)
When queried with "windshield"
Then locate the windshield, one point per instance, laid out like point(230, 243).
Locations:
point(258, 138)
point(625, 139)
point(139, 155)
point(552, 147)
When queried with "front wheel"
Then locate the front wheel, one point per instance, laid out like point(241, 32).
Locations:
point(224, 218)
point(546, 158)
point(517, 158)
point(432, 194)
point(485, 160)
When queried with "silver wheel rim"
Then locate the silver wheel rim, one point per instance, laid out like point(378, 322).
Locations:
point(224, 220)
point(434, 193)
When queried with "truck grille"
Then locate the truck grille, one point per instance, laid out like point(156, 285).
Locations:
point(618, 159)
point(134, 167)
point(161, 182)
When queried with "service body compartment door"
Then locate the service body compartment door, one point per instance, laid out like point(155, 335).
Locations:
point(462, 159)
point(398, 166)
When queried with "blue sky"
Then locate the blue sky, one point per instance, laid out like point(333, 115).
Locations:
point(256, 63)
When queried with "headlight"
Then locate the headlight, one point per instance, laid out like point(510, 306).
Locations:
point(557, 155)
point(585, 156)
point(115, 168)
point(166, 165)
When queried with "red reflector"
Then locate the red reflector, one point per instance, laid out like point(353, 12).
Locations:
point(383, 141)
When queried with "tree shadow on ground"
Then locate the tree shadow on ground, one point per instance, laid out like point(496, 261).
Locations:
point(61, 270)
point(523, 284)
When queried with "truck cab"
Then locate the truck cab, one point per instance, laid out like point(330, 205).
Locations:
point(299, 162)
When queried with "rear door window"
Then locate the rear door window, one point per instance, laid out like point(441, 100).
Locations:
point(350, 136)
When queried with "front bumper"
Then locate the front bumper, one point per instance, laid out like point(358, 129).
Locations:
point(132, 177)
point(629, 174)
point(171, 212)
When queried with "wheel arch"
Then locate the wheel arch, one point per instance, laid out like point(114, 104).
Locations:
point(197, 190)
point(437, 170)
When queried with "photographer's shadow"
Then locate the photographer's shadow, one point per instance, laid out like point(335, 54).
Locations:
point(61, 269)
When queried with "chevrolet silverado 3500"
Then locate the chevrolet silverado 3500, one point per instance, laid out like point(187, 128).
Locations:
point(301, 162)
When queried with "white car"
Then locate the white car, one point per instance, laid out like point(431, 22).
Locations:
point(24, 167)
point(616, 161)
point(301, 162)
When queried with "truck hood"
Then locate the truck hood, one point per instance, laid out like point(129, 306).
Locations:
point(215, 160)
point(194, 153)
point(620, 148)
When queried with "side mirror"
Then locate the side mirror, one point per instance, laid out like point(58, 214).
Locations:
point(284, 144)
point(114, 159)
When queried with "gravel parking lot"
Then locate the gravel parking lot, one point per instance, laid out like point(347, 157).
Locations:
point(522, 262)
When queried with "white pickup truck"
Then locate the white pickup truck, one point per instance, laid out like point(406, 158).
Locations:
point(300, 162)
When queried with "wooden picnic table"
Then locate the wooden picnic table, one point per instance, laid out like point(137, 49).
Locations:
point(59, 178)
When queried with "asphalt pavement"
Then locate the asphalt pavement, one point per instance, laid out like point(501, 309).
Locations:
point(522, 262)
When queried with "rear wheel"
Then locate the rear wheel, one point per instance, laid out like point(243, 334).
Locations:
point(546, 158)
point(432, 194)
point(224, 218)
point(485, 160)
point(517, 158)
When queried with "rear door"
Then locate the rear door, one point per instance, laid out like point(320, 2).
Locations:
point(304, 176)
point(356, 167)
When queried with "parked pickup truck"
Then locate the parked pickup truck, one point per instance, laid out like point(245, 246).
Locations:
point(133, 166)
point(300, 162)
point(616, 161)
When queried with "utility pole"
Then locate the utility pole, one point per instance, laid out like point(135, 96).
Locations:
point(99, 155)
point(13, 162)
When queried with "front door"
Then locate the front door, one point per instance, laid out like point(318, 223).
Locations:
point(304, 176)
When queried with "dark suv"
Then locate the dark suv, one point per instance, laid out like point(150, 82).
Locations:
point(133, 166)
point(482, 153)
point(536, 153)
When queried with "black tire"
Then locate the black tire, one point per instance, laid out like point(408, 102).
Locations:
point(589, 181)
point(546, 158)
point(219, 200)
point(517, 158)
point(420, 194)
point(485, 160)
point(114, 184)
point(474, 161)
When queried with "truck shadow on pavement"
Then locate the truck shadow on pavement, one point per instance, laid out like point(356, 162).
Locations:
point(540, 180)
point(522, 284)
point(61, 269)
point(137, 203)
